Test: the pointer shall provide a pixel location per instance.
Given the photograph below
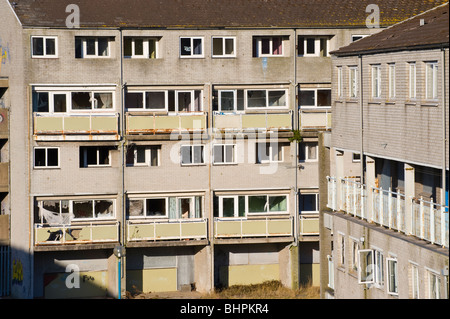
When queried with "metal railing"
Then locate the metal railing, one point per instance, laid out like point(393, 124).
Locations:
point(258, 227)
point(152, 123)
point(317, 119)
point(309, 224)
point(412, 216)
point(242, 122)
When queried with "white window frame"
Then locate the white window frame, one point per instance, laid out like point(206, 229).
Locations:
point(340, 82)
point(192, 55)
point(219, 103)
point(92, 100)
point(354, 254)
point(361, 36)
point(145, 47)
point(353, 82)
point(96, 55)
point(330, 272)
point(434, 68)
point(370, 267)
point(379, 268)
point(144, 101)
point(44, 39)
point(247, 213)
point(433, 276)
point(236, 206)
point(148, 149)
point(307, 146)
point(317, 40)
point(391, 79)
point(271, 152)
point(310, 212)
point(270, 38)
point(192, 147)
point(412, 89)
point(341, 249)
point(144, 207)
point(414, 282)
point(192, 93)
point(315, 106)
point(46, 166)
point(97, 149)
point(267, 106)
point(375, 81)
point(355, 159)
point(223, 55)
point(392, 272)
point(225, 149)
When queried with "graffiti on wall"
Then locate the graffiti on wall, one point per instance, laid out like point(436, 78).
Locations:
point(17, 274)
point(4, 53)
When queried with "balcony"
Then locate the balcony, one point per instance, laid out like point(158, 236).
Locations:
point(83, 233)
point(4, 229)
point(4, 177)
point(259, 228)
point(145, 123)
point(314, 119)
point(4, 123)
point(189, 229)
point(411, 216)
point(236, 122)
point(76, 126)
point(309, 225)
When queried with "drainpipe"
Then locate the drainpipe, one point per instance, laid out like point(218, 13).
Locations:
point(122, 156)
point(444, 144)
point(361, 119)
point(296, 214)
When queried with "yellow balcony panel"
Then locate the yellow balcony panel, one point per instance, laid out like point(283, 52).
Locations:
point(253, 121)
point(4, 122)
point(254, 227)
point(315, 119)
point(4, 177)
point(167, 123)
point(193, 122)
point(150, 123)
point(225, 122)
point(309, 226)
point(48, 125)
point(141, 232)
point(279, 121)
point(280, 227)
point(140, 123)
point(104, 124)
point(77, 124)
point(193, 230)
point(228, 228)
point(166, 230)
point(264, 227)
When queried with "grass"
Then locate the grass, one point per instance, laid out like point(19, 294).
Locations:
point(266, 290)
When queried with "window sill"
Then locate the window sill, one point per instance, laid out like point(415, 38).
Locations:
point(374, 102)
point(225, 164)
point(410, 103)
point(389, 103)
point(432, 104)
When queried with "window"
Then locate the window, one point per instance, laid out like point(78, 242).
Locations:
point(95, 156)
point(309, 203)
point(412, 80)
point(150, 100)
point(191, 47)
point(353, 81)
point(92, 47)
point(392, 273)
point(340, 82)
point(44, 47)
point(268, 46)
point(391, 68)
point(241, 206)
point(341, 250)
point(315, 98)
point(269, 152)
point(230, 100)
point(356, 157)
point(91, 100)
point(143, 155)
point(376, 81)
point(379, 268)
point(232, 206)
point(145, 48)
point(414, 281)
point(366, 273)
point(165, 207)
point(434, 285)
point(313, 46)
point(92, 209)
point(46, 157)
point(174, 101)
point(266, 98)
point(50, 102)
point(354, 255)
point(223, 47)
point(150, 207)
point(224, 154)
point(358, 37)
point(431, 85)
point(308, 151)
point(330, 272)
point(192, 154)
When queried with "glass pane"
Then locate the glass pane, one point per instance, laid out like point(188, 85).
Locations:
point(229, 46)
point(226, 100)
point(265, 46)
point(134, 100)
point(198, 154)
point(140, 154)
point(41, 102)
point(103, 46)
point(312, 151)
point(301, 45)
point(103, 156)
point(59, 103)
point(184, 205)
point(218, 154)
point(39, 157)
point(197, 46)
point(81, 101)
point(38, 46)
point(185, 46)
point(50, 47)
point(310, 46)
point(90, 46)
point(82, 209)
point(152, 48)
point(277, 203)
point(154, 156)
point(50, 211)
point(323, 97)
point(156, 207)
point(52, 157)
point(104, 208)
point(217, 46)
point(197, 101)
point(241, 203)
point(184, 101)
point(136, 207)
point(228, 207)
point(78, 48)
point(307, 98)
point(262, 152)
point(277, 45)
point(155, 100)
point(240, 100)
point(308, 203)
point(103, 101)
point(138, 47)
point(366, 266)
point(127, 43)
point(256, 98)
point(229, 153)
point(91, 155)
point(277, 98)
point(186, 155)
point(257, 204)
point(277, 152)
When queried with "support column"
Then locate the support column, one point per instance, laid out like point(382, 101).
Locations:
point(339, 158)
point(409, 194)
point(370, 182)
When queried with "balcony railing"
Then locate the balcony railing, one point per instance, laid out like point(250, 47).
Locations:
point(145, 123)
point(180, 229)
point(423, 219)
point(86, 233)
point(314, 119)
point(281, 121)
point(76, 124)
point(244, 228)
point(309, 224)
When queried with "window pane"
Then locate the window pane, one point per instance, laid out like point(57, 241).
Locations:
point(103, 46)
point(307, 98)
point(226, 100)
point(310, 46)
point(217, 46)
point(228, 207)
point(277, 98)
point(301, 45)
point(229, 46)
point(265, 46)
point(156, 207)
point(277, 203)
point(154, 156)
point(240, 100)
point(312, 151)
point(218, 154)
point(262, 152)
point(257, 204)
point(138, 47)
point(134, 100)
point(90, 46)
point(185, 44)
point(229, 153)
point(152, 48)
point(39, 157)
point(185, 206)
point(277, 45)
point(186, 155)
point(155, 100)
point(198, 154)
point(197, 46)
point(323, 97)
point(366, 267)
point(277, 152)
point(50, 211)
point(323, 47)
point(103, 156)
point(140, 154)
point(91, 155)
point(256, 98)
point(241, 204)
point(103, 101)
point(104, 208)
point(83, 209)
point(52, 157)
point(197, 101)
point(59, 103)
point(127, 43)
point(41, 102)
point(50, 47)
point(81, 101)
point(136, 207)
point(184, 101)
point(78, 48)
point(38, 46)
point(308, 203)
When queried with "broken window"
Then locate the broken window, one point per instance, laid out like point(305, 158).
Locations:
point(223, 47)
point(140, 47)
point(93, 209)
point(191, 47)
point(53, 212)
point(192, 154)
point(43, 47)
point(155, 207)
point(92, 156)
point(143, 155)
point(92, 47)
point(268, 46)
point(366, 273)
point(92, 100)
point(46, 157)
point(40, 102)
point(224, 154)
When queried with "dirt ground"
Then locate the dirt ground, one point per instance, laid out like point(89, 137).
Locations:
point(168, 295)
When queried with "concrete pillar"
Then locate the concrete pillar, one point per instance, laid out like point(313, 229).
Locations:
point(409, 194)
point(339, 158)
point(370, 182)
point(203, 267)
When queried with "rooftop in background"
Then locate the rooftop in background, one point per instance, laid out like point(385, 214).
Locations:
point(427, 30)
point(217, 13)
